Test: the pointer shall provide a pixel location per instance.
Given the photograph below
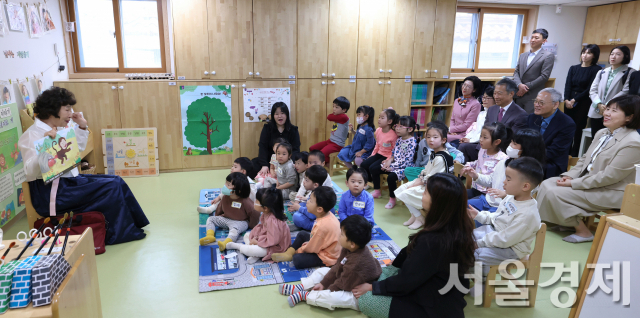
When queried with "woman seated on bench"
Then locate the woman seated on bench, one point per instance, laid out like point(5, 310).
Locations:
point(75, 192)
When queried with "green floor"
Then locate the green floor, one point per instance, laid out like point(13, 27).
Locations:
point(158, 276)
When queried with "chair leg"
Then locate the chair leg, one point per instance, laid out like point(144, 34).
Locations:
point(332, 163)
point(591, 223)
point(490, 290)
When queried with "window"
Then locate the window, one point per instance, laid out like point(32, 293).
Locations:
point(487, 39)
point(118, 35)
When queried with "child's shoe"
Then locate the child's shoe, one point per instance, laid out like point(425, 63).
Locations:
point(289, 289)
point(417, 223)
point(376, 194)
point(297, 297)
point(410, 221)
point(223, 245)
point(287, 256)
point(391, 204)
point(209, 238)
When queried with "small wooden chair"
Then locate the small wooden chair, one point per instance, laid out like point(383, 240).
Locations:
point(384, 184)
point(531, 264)
point(335, 164)
point(572, 162)
point(457, 169)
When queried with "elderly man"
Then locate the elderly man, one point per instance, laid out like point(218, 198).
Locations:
point(557, 130)
point(533, 70)
point(504, 111)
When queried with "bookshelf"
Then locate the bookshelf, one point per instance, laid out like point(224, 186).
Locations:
point(429, 97)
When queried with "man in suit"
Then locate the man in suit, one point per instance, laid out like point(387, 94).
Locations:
point(505, 111)
point(557, 130)
point(533, 70)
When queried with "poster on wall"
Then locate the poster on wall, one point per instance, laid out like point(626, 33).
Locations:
point(33, 19)
point(27, 97)
point(131, 152)
point(11, 165)
point(206, 120)
point(15, 15)
point(45, 18)
point(258, 102)
point(58, 155)
point(3, 21)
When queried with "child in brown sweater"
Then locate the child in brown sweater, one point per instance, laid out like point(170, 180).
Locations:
point(331, 288)
point(235, 212)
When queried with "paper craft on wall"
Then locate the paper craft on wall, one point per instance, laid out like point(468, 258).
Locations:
point(33, 17)
point(40, 87)
point(206, 120)
point(3, 21)
point(7, 93)
point(27, 97)
point(45, 18)
point(131, 152)
point(59, 155)
point(15, 16)
point(258, 102)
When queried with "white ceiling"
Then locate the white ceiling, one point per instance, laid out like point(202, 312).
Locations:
point(578, 3)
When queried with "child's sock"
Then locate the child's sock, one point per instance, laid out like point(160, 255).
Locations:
point(297, 297)
point(206, 209)
point(348, 165)
point(209, 238)
point(287, 256)
point(223, 245)
point(411, 220)
point(391, 204)
point(417, 223)
point(288, 289)
point(376, 194)
point(233, 246)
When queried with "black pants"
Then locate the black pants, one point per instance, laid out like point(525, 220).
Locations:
point(596, 124)
point(256, 168)
point(579, 116)
point(472, 193)
point(470, 151)
point(305, 260)
point(372, 163)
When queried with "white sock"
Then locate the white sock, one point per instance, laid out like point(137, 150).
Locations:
point(206, 209)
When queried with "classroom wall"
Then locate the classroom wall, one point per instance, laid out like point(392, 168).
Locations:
point(41, 53)
point(566, 30)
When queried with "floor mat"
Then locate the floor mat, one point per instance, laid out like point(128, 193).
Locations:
point(229, 269)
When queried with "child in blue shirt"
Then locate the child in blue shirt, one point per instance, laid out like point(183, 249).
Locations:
point(313, 178)
point(356, 201)
point(363, 140)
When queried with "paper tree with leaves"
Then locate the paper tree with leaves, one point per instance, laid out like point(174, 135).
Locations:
point(208, 123)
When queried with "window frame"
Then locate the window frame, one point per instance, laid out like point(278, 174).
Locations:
point(481, 11)
point(121, 69)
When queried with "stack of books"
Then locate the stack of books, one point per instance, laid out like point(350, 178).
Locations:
point(419, 94)
point(419, 114)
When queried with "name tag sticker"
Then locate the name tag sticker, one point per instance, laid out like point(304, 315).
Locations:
point(236, 205)
point(279, 170)
point(511, 208)
point(386, 144)
point(490, 164)
point(358, 204)
point(361, 131)
point(343, 261)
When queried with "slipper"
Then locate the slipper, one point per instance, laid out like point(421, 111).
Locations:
point(574, 238)
point(560, 228)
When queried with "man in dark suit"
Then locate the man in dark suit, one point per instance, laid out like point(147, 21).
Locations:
point(557, 130)
point(533, 70)
point(505, 111)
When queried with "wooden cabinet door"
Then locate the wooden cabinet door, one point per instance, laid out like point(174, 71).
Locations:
point(230, 39)
point(274, 38)
point(341, 87)
point(99, 104)
point(372, 38)
point(423, 41)
point(370, 92)
point(311, 107)
point(602, 24)
point(397, 94)
point(400, 32)
point(191, 41)
point(155, 104)
point(628, 24)
point(313, 37)
point(250, 132)
point(443, 38)
point(343, 38)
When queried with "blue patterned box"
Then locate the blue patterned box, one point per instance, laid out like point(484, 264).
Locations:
point(21, 283)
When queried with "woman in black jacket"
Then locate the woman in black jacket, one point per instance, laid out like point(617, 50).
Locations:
point(410, 288)
point(278, 127)
point(576, 91)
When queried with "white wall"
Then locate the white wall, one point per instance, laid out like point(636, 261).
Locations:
point(566, 30)
point(41, 54)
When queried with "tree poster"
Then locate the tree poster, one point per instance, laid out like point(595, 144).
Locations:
point(11, 166)
point(206, 120)
point(59, 155)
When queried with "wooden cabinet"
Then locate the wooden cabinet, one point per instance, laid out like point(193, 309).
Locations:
point(370, 92)
point(275, 41)
point(628, 24)
point(343, 38)
point(397, 94)
point(443, 38)
point(190, 40)
point(313, 37)
point(340, 87)
point(423, 38)
point(372, 38)
point(312, 100)
point(400, 36)
point(601, 25)
point(230, 29)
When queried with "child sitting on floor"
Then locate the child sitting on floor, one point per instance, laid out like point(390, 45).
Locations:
point(332, 286)
point(424, 155)
point(509, 232)
point(363, 139)
point(315, 158)
point(235, 211)
point(261, 177)
point(242, 165)
point(300, 163)
point(411, 193)
point(272, 234)
point(339, 130)
point(494, 140)
point(313, 178)
point(355, 201)
point(285, 172)
point(320, 247)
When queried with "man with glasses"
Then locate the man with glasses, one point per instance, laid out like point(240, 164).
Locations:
point(533, 70)
point(557, 130)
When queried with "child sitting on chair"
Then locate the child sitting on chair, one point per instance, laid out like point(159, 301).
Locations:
point(509, 232)
point(235, 211)
point(320, 247)
point(300, 163)
point(272, 234)
point(315, 158)
point(313, 178)
point(242, 165)
point(332, 286)
point(339, 130)
point(356, 201)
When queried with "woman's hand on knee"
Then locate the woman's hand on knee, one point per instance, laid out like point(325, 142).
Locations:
point(564, 181)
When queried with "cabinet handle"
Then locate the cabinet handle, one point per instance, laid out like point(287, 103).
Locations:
point(619, 40)
point(389, 71)
point(324, 75)
point(333, 82)
point(121, 87)
point(206, 73)
point(381, 71)
point(379, 82)
point(389, 82)
point(333, 74)
point(257, 73)
point(610, 40)
point(213, 72)
point(426, 71)
point(250, 73)
point(435, 71)
point(233, 86)
point(244, 85)
point(113, 87)
point(323, 82)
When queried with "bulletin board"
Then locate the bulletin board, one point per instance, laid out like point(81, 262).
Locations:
point(131, 152)
point(11, 165)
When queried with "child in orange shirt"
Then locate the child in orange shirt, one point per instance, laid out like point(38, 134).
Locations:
point(320, 247)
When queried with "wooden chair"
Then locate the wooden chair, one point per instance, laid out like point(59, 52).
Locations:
point(457, 169)
point(335, 164)
point(630, 207)
point(572, 162)
point(531, 264)
point(384, 184)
